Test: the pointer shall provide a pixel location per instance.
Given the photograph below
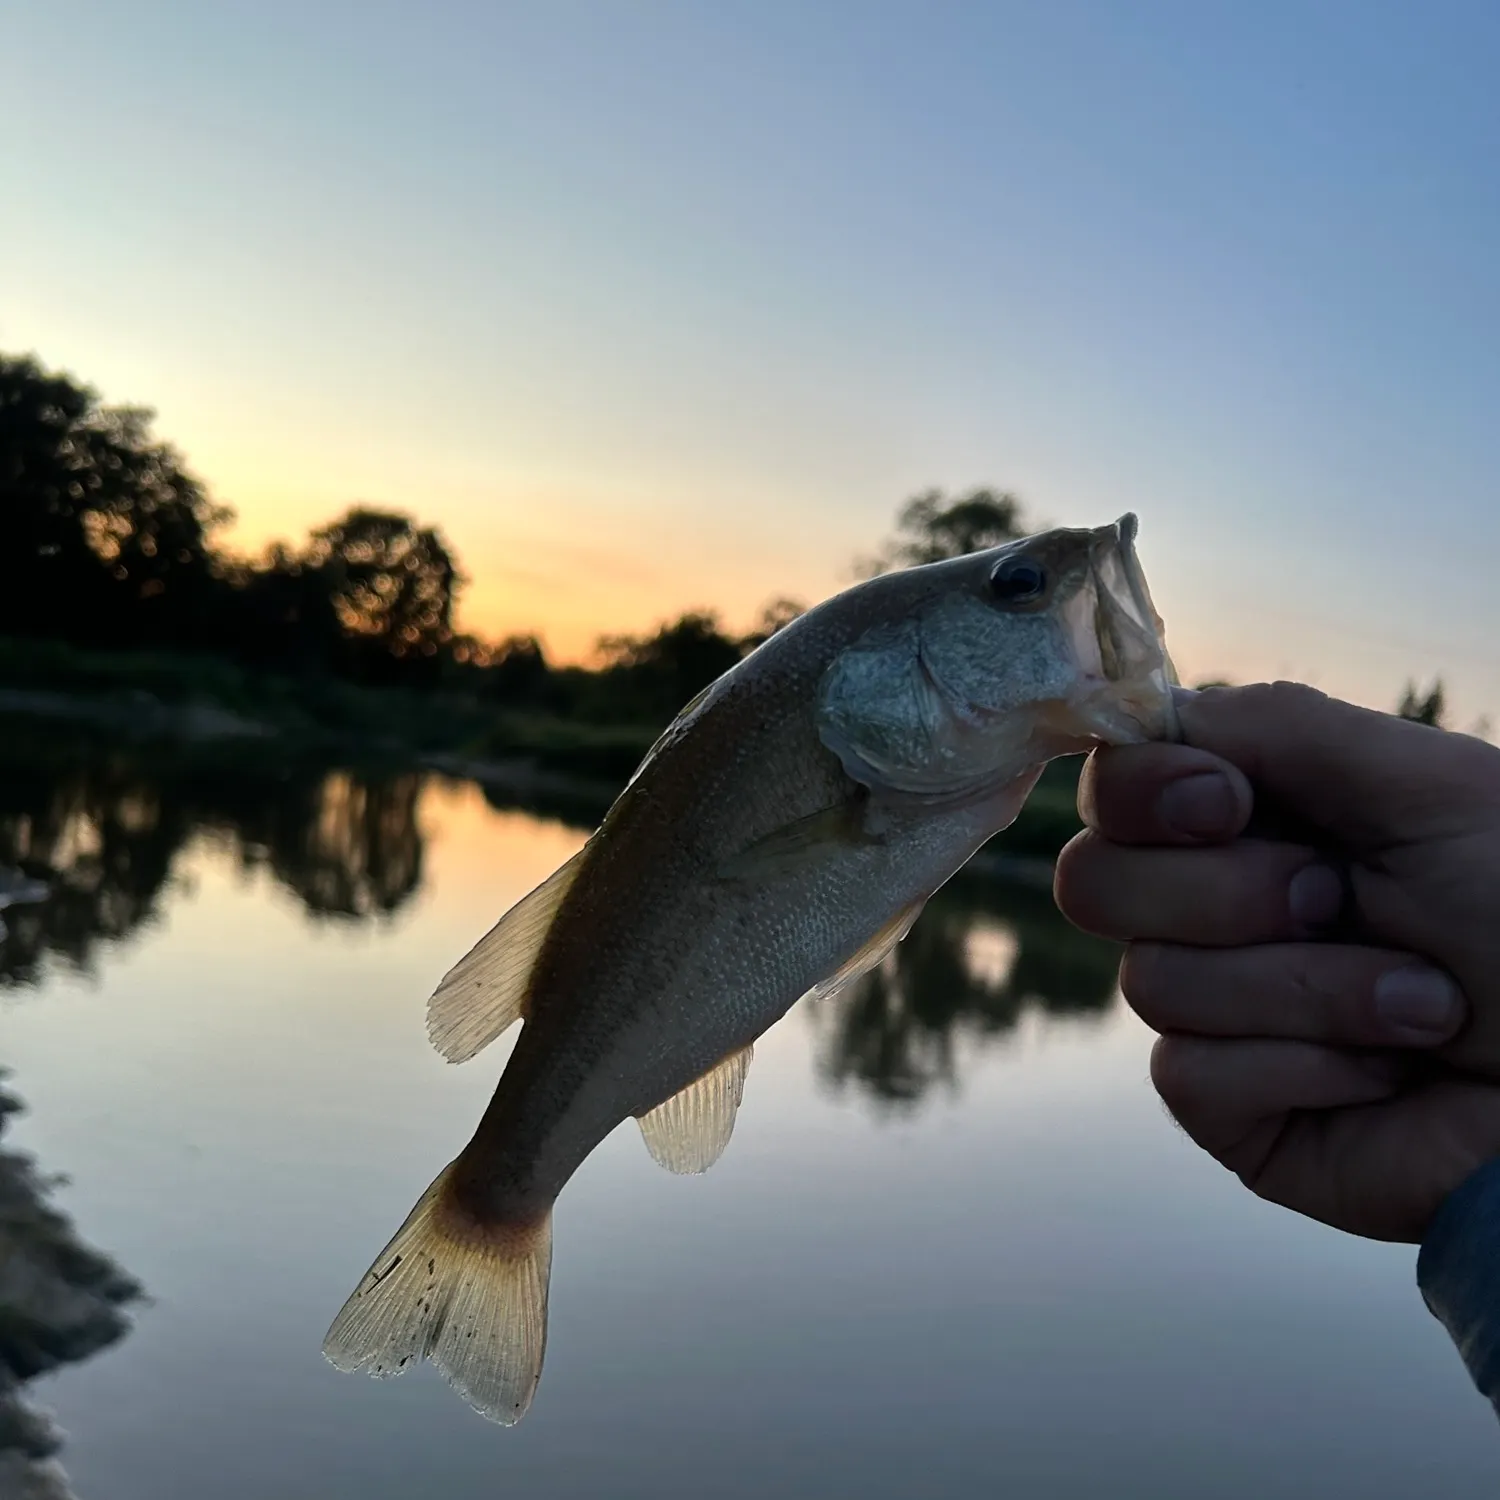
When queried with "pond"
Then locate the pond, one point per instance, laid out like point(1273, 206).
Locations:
point(955, 1247)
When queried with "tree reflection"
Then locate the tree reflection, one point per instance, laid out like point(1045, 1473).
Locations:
point(60, 1301)
point(347, 845)
point(105, 830)
point(984, 952)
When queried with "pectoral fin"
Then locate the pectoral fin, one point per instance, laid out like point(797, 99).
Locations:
point(485, 991)
point(870, 955)
point(690, 1131)
point(794, 846)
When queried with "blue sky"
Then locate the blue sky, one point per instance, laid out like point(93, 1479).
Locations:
point(653, 306)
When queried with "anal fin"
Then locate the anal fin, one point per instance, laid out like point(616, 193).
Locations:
point(485, 991)
point(689, 1132)
point(870, 954)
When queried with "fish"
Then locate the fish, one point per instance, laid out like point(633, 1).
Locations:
point(776, 843)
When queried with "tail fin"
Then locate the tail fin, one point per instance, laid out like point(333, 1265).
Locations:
point(469, 1296)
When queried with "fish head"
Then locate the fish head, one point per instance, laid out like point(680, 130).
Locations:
point(1045, 646)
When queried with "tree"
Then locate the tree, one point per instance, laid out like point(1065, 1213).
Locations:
point(106, 534)
point(392, 586)
point(776, 615)
point(279, 615)
point(1424, 708)
point(931, 527)
point(517, 670)
point(654, 676)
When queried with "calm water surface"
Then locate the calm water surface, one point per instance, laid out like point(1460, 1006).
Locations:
point(954, 1247)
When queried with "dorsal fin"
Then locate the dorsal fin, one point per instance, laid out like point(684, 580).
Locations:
point(486, 989)
point(869, 954)
point(690, 1131)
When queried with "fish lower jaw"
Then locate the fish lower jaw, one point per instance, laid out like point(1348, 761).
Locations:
point(1120, 713)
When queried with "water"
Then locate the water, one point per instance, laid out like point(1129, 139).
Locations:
point(954, 1247)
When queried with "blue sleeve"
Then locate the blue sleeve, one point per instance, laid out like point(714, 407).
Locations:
point(1458, 1272)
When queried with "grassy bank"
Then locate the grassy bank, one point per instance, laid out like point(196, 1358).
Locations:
point(202, 697)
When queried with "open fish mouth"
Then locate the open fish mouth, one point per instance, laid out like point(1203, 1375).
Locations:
point(1118, 637)
point(1125, 620)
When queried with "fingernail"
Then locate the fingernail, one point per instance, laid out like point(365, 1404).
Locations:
point(1199, 806)
point(1418, 999)
point(1315, 896)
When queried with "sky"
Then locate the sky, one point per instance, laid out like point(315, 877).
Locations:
point(661, 306)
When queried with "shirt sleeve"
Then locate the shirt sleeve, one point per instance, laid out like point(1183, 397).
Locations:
point(1458, 1272)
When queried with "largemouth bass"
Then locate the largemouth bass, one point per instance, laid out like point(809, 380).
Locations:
point(777, 842)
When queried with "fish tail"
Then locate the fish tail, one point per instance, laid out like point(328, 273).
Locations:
point(469, 1295)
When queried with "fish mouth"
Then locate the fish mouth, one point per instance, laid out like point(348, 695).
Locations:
point(1128, 627)
point(1120, 641)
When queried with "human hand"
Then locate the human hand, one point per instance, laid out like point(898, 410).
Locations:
point(1326, 977)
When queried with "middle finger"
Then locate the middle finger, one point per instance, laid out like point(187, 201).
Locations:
point(1250, 891)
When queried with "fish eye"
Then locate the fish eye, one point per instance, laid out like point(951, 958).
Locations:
point(1017, 579)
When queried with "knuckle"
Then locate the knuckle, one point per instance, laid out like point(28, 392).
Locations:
point(1293, 697)
point(1315, 995)
point(1269, 701)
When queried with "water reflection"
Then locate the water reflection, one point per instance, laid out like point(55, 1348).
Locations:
point(103, 831)
point(60, 1302)
point(347, 845)
point(104, 828)
point(982, 954)
point(204, 1125)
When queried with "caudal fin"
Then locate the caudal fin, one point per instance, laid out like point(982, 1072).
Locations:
point(471, 1297)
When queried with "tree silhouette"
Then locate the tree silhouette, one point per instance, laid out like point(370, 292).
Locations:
point(392, 586)
point(280, 615)
point(656, 675)
point(1424, 708)
point(107, 542)
point(106, 535)
point(931, 527)
point(516, 670)
point(776, 615)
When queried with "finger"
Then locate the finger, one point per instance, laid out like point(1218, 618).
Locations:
point(1225, 1093)
point(1311, 992)
point(1163, 794)
point(1370, 778)
point(1246, 892)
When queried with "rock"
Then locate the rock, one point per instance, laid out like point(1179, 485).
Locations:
point(60, 1301)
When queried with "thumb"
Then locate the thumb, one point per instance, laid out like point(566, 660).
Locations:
point(1369, 778)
